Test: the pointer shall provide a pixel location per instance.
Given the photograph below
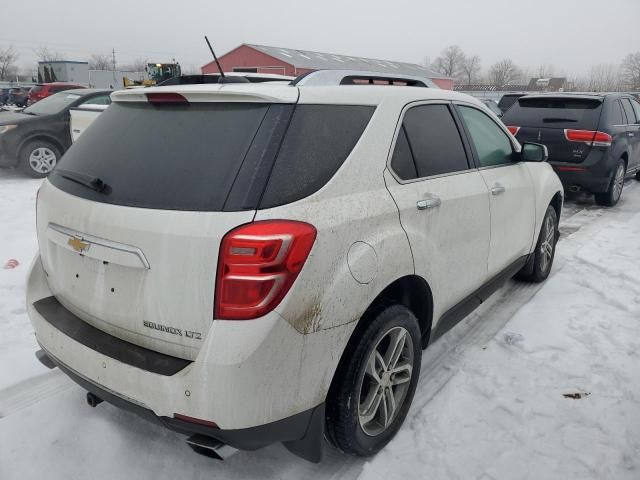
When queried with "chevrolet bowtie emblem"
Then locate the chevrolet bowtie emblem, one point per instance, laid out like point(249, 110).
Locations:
point(78, 245)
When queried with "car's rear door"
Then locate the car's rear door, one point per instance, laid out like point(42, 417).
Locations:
point(512, 197)
point(633, 132)
point(443, 203)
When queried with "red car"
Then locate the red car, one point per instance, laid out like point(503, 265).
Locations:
point(43, 90)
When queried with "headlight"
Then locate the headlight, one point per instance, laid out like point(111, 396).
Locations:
point(6, 128)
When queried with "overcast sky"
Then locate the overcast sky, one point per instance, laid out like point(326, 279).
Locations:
point(569, 34)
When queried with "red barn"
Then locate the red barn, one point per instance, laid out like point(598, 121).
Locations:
point(288, 61)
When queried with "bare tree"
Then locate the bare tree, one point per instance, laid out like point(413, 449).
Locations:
point(630, 71)
point(545, 70)
point(471, 68)
point(8, 68)
point(603, 78)
point(137, 65)
point(100, 61)
point(503, 72)
point(450, 61)
point(46, 55)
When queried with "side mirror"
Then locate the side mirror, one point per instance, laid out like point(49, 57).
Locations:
point(534, 152)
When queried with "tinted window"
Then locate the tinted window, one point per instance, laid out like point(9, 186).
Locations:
point(636, 108)
point(628, 109)
point(617, 117)
point(166, 157)
point(317, 143)
point(555, 112)
point(402, 160)
point(492, 144)
point(434, 140)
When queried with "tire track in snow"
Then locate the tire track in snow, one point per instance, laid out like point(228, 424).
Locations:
point(32, 390)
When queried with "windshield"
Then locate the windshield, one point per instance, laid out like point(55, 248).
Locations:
point(53, 104)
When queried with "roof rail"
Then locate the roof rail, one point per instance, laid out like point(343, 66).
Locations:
point(355, 77)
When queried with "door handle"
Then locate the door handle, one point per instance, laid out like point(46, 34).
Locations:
point(497, 189)
point(430, 202)
point(631, 134)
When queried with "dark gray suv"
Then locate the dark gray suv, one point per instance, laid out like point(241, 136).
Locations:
point(593, 139)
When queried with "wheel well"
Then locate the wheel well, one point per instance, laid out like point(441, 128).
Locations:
point(556, 203)
point(414, 293)
point(625, 157)
point(45, 138)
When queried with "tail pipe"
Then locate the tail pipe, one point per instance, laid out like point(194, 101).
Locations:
point(210, 447)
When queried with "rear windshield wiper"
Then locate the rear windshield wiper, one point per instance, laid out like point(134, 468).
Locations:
point(94, 183)
point(558, 120)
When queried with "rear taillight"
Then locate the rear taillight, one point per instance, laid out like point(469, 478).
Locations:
point(590, 137)
point(514, 130)
point(257, 265)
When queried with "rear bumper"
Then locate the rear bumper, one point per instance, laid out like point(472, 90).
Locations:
point(593, 174)
point(260, 381)
point(301, 433)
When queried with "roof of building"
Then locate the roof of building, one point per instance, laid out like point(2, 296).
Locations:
point(331, 61)
point(62, 61)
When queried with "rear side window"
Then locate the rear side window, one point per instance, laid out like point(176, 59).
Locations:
point(492, 144)
point(636, 108)
point(318, 141)
point(617, 117)
point(555, 112)
point(434, 140)
point(402, 161)
point(628, 109)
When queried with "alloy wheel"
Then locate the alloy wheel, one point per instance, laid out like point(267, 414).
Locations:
point(618, 182)
point(385, 381)
point(548, 243)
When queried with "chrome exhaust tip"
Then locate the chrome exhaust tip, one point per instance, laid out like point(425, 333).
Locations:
point(210, 447)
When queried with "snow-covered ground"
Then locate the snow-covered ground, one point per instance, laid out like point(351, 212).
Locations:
point(491, 403)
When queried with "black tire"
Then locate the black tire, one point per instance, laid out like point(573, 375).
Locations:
point(540, 262)
point(28, 164)
point(638, 176)
point(344, 428)
point(611, 197)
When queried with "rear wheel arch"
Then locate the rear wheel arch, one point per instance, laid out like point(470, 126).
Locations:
point(556, 203)
point(41, 137)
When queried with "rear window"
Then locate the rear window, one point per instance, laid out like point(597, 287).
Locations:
point(208, 156)
point(554, 112)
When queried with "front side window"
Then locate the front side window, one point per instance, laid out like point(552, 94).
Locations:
point(492, 143)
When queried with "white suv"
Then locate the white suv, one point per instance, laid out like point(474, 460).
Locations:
point(250, 263)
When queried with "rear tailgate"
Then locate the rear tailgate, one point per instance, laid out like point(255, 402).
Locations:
point(544, 119)
point(130, 223)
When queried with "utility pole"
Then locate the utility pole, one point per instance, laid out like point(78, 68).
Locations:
point(113, 58)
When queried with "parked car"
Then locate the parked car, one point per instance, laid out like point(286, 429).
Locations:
point(254, 264)
point(593, 139)
point(35, 138)
point(43, 90)
point(493, 106)
point(17, 96)
point(508, 99)
point(4, 95)
point(83, 116)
